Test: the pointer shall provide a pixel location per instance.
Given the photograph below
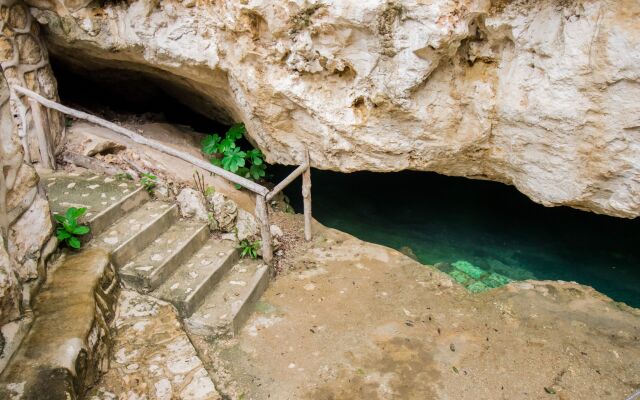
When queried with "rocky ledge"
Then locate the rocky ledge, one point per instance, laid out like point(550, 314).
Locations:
point(541, 95)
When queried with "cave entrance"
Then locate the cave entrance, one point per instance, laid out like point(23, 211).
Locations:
point(128, 95)
point(480, 231)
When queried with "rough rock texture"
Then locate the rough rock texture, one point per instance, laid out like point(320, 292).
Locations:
point(24, 62)
point(192, 204)
point(539, 94)
point(152, 356)
point(25, 221)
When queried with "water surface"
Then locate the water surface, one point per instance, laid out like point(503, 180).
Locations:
point(490, 225)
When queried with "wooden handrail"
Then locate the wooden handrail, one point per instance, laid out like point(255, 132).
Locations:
point(254, 187)
point(286, 181)
point(263, 195)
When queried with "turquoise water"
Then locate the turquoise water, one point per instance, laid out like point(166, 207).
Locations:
point(490, 225)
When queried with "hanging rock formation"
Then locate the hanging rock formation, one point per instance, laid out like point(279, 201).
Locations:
point(542, 95)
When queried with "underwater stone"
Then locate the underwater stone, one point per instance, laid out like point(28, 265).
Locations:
point(469, 269)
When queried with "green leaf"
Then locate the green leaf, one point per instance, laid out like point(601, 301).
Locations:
point(75, 213)
point(81, 230)
point(236, 131)
point(257, 171)
point(216, 161)
point(255, 156)
point(71, 213)
point(61, 234)
point(73, 242)
point(70, 225)
point(60, 218)
point(244, 172)
point(549, 390)
point(226, 145)
point(233, 159)
point(210, 143)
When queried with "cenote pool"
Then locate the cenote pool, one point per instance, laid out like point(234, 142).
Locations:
point(478, 226)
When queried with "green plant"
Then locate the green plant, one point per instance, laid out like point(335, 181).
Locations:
point(249, 248)
point(68, 228)
point(124, 176)
point(225, 153)
point(149, 182)
point(198, 179)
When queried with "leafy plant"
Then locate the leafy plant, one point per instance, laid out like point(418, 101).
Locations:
point(148, 181)
point(68, 228)
point(225, 153)
point(248, 248)
point(233, 159)
point(124, 176)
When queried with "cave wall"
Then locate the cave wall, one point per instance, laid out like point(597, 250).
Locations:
point(25, 62)
point(543, 95)
point(25, 219)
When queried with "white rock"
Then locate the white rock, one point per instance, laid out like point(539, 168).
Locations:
point(192, 204)
point(247, 225)
point(541, 95)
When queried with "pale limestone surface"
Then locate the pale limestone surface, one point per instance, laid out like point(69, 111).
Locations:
point(192, 204)
point(25, 221)
point(152, 356)
point(541, 95)
point(24, 61)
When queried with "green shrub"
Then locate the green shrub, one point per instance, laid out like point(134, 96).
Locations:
point(68, 229)
point(225, 153)
point(149, 182)
point(248, 248)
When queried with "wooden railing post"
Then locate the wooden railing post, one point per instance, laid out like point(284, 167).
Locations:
point(41, 126)
point(265, 228)
point(306, 196)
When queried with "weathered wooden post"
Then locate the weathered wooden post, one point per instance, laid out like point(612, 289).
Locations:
point(41, 126)
point(306, 196)
point(265, 230)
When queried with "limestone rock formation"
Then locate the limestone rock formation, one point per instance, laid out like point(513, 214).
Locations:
point(25, 220)
point(542, 95)
point(24, 61)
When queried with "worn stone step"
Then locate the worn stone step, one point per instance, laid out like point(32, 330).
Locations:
point(192, 281)
point(228, 306)
point(68, 345)
point(106, 198)
point(161, 258)
point(136, 230)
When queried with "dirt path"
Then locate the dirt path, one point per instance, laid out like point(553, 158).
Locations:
point(359, 321)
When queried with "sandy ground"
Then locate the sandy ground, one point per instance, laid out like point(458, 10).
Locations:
point(353, 320)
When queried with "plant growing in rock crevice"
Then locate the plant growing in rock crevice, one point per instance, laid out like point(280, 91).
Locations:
point(69, 230)
point(148, 181)
point(249, 248)
point(227, 154)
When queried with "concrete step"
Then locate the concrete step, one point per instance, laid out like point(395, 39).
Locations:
point(192, 281)
point(136, 230)
point(161, 258)
point(106, 198)
point(228, 306)
point(68, 345)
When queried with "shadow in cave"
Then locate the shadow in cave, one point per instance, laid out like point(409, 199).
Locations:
point(493, 226)
point(118, 94)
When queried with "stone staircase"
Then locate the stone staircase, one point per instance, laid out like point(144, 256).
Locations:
point(157, 252)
